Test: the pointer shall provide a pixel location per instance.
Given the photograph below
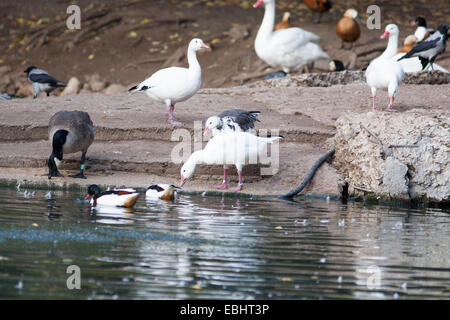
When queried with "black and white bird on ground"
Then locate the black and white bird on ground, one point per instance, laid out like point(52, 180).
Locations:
point(42, 81)
point(429, 49)
point(234, 120)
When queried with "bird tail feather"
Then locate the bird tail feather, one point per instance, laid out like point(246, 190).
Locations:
point(133, 89)
point(275, 138)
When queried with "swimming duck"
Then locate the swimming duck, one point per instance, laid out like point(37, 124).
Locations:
point(319, 6)
point(118, 197)
point(289, 49)
point(422, 32)
point(175, 84)
point(161, 191)
point(384, 72)
point(284, 24)
point(347, 28)
point(231, 120)
point(69, 132)
point(228, 148)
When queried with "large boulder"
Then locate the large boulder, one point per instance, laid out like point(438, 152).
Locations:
point(395, 156)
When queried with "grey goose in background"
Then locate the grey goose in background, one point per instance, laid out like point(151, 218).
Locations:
point(42, 81)
point(236, 120)
point(429, 49)
point(69, 132)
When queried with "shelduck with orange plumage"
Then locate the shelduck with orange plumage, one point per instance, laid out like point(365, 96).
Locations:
point(284, 24)
point(319, 6)
point(347, 28)
point(408, 44)
point(116, 198)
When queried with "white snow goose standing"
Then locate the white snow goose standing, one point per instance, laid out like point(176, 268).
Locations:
point(228, 148)
point(117, 197)
point(175, 84)
point(231, 120)
point(289, 49)
point(384, 72)
point(161, 191)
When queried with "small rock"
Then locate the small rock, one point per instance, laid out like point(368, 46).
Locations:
point(237, 33)
point(96, 83)
point(72, 87)
point(24, 90)
point(5, 69)
point(115, 88)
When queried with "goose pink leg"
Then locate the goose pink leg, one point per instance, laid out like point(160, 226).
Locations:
point(224, 184)
point(171, 120)
point(373, 103)
point(391, 102)
point(240, 184)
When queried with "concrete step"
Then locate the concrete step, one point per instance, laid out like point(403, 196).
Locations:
point(136, 156)
point(136, 117)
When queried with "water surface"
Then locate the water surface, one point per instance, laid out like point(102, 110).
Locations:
point(220, 248)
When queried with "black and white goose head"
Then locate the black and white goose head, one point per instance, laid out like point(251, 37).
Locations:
point(56, 157)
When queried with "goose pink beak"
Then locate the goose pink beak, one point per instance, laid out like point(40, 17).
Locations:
point(87, 196)
point(182, 181)
point(384, 35)
point(205, 131)
point(204, 46)
point(258, 3)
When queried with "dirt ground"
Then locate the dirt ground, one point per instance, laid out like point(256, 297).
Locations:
point(126, 41)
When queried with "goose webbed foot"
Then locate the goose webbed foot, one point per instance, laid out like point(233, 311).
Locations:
point(390, 109)
point(221, 186)
point(54, 174)
point(238, 188)
point(79, 175)
point(175, 123)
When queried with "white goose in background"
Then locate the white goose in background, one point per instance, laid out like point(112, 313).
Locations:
point(289, 49)
point(117, 197)
point(161, 191)
point(384, 72)
point(229, 148)
point(175, 84)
